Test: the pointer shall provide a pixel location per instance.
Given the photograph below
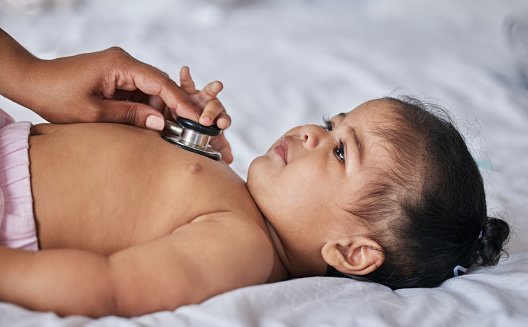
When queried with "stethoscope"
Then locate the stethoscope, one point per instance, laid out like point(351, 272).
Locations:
point(192, 136)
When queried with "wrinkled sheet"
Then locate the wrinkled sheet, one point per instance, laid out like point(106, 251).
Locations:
point(286, 63)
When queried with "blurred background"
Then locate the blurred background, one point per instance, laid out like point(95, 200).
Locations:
point(286, 63)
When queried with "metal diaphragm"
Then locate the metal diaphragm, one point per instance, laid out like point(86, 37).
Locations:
point(192, 136)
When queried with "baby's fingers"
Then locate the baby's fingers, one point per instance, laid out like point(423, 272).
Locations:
point(223, 121)
point(186, 81)
point(199, 98)
point(221, 145)
point(210, 91)
point(214, 110)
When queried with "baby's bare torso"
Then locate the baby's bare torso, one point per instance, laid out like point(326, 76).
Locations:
point(106, 187)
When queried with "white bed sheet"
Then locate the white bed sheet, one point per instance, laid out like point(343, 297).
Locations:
point(288, 63)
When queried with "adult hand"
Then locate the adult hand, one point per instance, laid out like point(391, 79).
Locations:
point(108, 85)
point(105, 86)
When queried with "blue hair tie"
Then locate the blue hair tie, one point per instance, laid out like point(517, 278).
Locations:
point(457, 268)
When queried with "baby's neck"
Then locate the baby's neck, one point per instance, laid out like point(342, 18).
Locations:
point(279, 271)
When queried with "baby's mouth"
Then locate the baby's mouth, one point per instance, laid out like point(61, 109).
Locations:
point(282, 149)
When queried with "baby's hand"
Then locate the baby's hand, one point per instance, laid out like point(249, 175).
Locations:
point(206, 99)
point(213, 110)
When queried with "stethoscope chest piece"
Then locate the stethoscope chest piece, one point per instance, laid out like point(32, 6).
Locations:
point(192, 136)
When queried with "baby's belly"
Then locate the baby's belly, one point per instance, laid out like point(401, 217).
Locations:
point(105, 187)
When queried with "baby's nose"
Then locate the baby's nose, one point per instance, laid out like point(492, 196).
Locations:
point(311, 135)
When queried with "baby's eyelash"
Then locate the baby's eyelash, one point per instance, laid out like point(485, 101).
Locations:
point(327, 124)
point(339, 152)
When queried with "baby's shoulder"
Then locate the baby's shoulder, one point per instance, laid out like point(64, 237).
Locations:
point(241, 243)
point(243, 229)
point(244, 224)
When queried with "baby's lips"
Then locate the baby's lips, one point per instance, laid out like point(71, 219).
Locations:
point(282, 149)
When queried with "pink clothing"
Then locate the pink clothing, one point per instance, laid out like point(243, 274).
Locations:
point(17, 223)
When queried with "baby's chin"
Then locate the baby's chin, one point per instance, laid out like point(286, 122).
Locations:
point(257, 168)
point(251, 170)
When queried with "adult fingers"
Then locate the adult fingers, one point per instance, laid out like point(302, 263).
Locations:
point(132, 113)
point(173, 96)
point(131, 74)
point(157, 103)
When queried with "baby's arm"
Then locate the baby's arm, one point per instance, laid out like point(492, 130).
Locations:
point(195, 262)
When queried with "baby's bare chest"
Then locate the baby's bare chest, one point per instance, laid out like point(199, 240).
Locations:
point(108, 187)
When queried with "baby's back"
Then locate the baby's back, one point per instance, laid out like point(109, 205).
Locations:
point(106, 187)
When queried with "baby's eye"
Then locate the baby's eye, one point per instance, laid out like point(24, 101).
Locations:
point(327, 124)
point(339, 152)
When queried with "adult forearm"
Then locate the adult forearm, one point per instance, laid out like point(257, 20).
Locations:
point(16, 64)
point(63, 281)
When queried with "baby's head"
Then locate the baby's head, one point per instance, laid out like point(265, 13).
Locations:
point(388, 191)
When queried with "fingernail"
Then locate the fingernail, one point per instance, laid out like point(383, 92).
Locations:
point(155, 123)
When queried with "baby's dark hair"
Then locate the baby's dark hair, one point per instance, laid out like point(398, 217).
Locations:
point(428, 212)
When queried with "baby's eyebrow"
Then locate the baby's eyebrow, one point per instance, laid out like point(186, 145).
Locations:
point(358, 142)
point(340, 116)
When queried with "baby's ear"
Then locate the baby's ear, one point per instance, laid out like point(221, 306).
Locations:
point(359, 256)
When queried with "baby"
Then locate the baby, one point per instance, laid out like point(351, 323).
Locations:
point(126, 223)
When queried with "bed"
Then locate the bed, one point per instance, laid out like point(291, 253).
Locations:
point(285, 63)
